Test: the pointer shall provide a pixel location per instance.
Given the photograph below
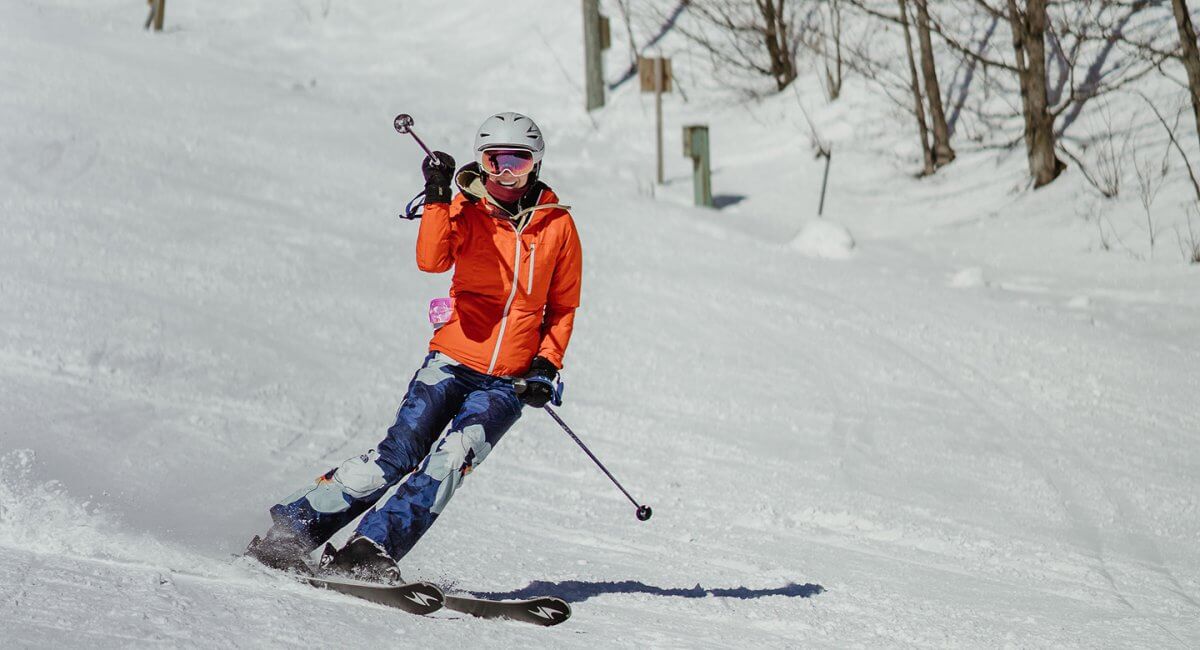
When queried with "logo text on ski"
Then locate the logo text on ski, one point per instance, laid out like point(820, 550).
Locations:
point(421, 599)
point(545, 612)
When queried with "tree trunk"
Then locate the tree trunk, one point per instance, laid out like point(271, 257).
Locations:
point(1029, 45)
point(775, 34)
point(942, 151)
point(1190, 55)
point(833, 76)
point(918, 103)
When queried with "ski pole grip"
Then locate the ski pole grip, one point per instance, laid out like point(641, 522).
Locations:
point(403, 124)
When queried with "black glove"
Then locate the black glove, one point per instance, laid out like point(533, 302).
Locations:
point(438, 177)
point(539, 382)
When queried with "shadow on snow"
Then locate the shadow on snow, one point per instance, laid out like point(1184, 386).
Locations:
point(574, 591)
point(722, 201)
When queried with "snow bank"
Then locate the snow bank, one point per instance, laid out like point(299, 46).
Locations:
point(824, 239)
point(41, 516)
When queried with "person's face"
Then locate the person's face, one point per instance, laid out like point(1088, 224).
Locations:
point(508, 167)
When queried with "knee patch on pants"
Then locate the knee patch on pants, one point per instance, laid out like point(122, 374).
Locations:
point(361, 475)
point(354, 479)
point(455, 457)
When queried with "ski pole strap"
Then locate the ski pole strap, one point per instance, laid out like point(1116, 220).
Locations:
point(415, 207)
point(556, 388)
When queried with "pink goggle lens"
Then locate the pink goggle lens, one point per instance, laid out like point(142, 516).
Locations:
point(515, 162)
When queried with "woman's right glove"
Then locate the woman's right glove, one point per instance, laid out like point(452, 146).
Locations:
point(438, 177)
point(539, 383)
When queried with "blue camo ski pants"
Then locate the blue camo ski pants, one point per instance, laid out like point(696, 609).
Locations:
point(428, 465)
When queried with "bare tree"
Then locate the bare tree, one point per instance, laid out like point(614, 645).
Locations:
point(1150, 180)
point(627, 19)
point(759, 36)
point(1058, 62)
point(1192, 250)
point(833, 63)
point(943, 153)
point(1189, 55)
point(780, 47)
point(918, 100)
point(1029, 45)
point(822, 29)
point(1175, 143)
point(922, 80)
point(1111, 147)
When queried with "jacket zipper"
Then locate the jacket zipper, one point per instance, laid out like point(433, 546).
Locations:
point(529, 285)
point(516, 283)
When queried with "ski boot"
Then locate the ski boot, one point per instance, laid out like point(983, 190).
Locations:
point(360, 559)
point(281, 549)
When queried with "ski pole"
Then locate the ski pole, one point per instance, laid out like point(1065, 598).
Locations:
point(643, 511)
point(403, 124)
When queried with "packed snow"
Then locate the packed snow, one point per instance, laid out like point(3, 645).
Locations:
point(820, 238)
point(978, 426)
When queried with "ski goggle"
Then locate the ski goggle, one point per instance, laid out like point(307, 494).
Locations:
point(517, 162)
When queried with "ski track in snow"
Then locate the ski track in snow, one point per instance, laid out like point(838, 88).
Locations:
point(1084, 527)
point(966, 434)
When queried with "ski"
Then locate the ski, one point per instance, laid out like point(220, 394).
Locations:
point(544, 611)
point(424, 598)
point(414, 597)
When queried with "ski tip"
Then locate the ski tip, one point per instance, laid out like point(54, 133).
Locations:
point(545, 611)
point(552, 610)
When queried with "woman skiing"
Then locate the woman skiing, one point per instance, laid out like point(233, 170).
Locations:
point(517, 270)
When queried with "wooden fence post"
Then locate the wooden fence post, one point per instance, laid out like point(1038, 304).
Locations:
point(593, 61)
point(658, 91)
point(155, 18)
point(695, 146)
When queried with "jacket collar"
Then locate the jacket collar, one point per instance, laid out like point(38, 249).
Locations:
point(470, 181)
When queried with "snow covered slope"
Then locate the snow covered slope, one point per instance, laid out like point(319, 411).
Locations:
point(971, 431)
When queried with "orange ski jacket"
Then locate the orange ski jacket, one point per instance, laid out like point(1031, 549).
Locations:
point(516, 278)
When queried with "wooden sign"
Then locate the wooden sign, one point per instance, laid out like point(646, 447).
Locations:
point(605, 34)
point(646, 67)
point(654, 73)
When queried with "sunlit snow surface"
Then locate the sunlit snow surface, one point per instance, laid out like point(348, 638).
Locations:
point(979, 429)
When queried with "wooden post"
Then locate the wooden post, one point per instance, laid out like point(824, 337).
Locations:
point(593, 62)
point(695, 146)
point(160, 8)
point(655, 76)
point(658, 91)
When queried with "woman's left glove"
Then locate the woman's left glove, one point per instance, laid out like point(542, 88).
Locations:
point(539, 383)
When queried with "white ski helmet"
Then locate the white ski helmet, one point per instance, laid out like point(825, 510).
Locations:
point(510, 130)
